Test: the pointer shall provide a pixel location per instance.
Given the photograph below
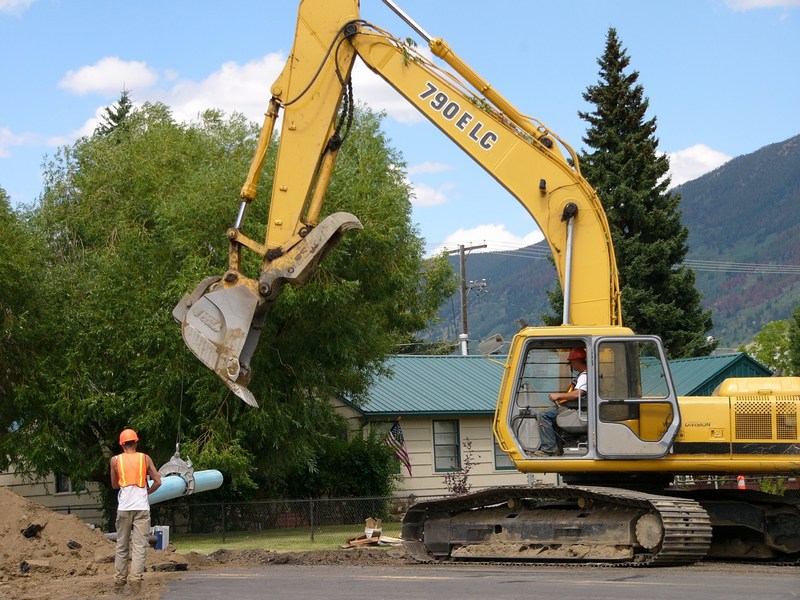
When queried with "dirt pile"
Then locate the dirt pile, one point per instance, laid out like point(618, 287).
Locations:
point(45, 555)
point(35, 539)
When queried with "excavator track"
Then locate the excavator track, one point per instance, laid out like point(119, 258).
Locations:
point(750, 525)
point(574, 524)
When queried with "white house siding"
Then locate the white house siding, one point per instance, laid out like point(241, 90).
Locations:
point(43, 491)
point(418, 432)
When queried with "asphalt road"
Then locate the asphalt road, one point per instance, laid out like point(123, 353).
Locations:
point(706, 582)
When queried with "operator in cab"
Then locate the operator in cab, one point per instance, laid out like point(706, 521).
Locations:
point(576, 390)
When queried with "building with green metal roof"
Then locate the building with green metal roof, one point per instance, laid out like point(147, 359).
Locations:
point(701, 376)
point(468, 385)
point(446, 405)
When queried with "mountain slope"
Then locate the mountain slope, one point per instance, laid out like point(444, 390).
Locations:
point(747, 211)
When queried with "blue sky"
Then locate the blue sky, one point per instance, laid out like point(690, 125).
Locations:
point(722, 78)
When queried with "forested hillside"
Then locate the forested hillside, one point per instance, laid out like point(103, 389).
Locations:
point(745, 212)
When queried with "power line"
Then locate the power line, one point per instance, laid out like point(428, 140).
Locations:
point(542, 252)
point(738, 267)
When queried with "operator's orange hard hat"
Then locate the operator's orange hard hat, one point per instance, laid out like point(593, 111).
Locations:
point(577, 353)
point(127, 435)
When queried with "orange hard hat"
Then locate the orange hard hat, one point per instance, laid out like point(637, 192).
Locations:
point(128, 435)
point(577, 353)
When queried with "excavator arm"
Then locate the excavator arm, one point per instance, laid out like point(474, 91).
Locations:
point(222, 319)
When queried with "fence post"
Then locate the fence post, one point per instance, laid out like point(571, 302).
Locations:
point(311, 520)
point(222, 508)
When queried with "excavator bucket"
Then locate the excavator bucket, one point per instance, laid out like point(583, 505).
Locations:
point(216, 323)
point(221, 325)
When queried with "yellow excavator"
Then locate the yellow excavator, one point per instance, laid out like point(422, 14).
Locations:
point(624, 438)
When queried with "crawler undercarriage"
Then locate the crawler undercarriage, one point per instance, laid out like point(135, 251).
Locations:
point(593, 524)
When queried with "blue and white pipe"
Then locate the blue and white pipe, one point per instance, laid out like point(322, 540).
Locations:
point(175, 486)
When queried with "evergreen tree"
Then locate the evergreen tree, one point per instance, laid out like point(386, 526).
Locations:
point(650, 242)
point(115, 117)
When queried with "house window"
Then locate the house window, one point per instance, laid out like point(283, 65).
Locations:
point(64, 485)
point(446, 454)
point(502, 461)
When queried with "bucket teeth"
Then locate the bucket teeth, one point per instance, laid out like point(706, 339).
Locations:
point(221, 325)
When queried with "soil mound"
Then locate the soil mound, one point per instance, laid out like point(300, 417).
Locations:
point(45, 555)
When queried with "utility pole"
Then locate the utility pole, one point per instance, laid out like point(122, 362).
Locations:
point(463, 339)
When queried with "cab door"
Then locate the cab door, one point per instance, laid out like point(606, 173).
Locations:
point(637, 412)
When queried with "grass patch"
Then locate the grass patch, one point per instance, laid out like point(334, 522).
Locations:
point(277, 540)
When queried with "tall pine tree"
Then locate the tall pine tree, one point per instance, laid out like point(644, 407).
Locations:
point(630, 175)
point(116, 116)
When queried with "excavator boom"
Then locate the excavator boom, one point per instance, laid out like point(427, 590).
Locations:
point(222, 319)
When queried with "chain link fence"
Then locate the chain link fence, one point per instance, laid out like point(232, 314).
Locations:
point(327, 521)
point(333, 521)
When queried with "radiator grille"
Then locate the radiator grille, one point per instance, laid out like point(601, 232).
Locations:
point(752, 419)
point(786, 419)
point(756, 418)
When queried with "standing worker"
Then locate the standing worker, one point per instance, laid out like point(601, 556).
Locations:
point(129, 471)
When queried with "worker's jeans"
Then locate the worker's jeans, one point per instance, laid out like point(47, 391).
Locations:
point(547, 432)
point(133, 531)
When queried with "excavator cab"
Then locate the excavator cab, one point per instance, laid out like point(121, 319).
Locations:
point(629, 411)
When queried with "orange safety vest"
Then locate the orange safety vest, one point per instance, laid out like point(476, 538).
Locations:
point(132, 469)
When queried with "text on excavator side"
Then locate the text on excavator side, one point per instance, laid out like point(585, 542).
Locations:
point(452, 111)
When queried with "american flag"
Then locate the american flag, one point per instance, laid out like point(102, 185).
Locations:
point(397, 441)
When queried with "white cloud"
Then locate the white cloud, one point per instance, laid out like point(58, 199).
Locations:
point(15, 7)
point(428, 167)
point(380, 96)
point(745, 5)
point(89, 126)
point(694, 162)
point(109, 76)
point(233, 88)
point(496, 237)
point(426, 195)
point(8, 139)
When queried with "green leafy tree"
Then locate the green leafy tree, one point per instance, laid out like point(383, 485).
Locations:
point(22, 275)
point(630, 176)
point(132, 223)
point(793, 367)
point(770, 347)
point(362, 466)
